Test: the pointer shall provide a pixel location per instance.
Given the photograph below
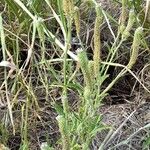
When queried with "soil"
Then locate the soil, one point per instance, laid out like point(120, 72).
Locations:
point(126, 109)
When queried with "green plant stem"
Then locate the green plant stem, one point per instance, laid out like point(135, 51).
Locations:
point(113, 55)
point(110, 54)
point(67, 44)
point(25, 130)
point(123, 71)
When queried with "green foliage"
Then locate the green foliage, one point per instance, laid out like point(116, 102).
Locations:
point(44, 30)
point(4, 135)
point(146, 143)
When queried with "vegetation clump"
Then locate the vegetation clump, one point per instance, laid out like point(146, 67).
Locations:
point(59, 74)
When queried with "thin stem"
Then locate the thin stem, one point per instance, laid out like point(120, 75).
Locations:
point(113, 82)
point(113, 55)
point(67, 44)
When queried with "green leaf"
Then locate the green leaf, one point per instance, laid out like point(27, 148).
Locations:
point(146, 144)
point(58, 108)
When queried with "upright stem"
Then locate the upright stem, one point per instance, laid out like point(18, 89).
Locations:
point(67, 44)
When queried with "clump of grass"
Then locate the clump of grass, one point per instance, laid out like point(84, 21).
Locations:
point(4, 133)
point(78, 126)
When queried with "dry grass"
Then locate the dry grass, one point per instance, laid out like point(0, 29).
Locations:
point(37, 78)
